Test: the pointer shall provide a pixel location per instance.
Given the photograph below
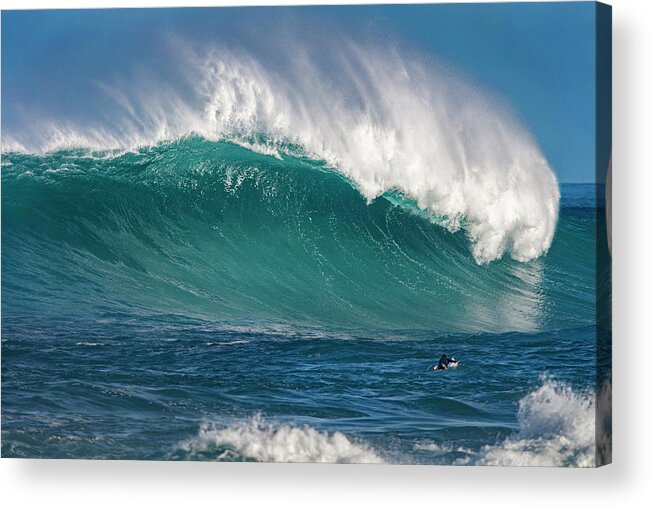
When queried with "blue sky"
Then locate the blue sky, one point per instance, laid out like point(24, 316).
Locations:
point(539, 57)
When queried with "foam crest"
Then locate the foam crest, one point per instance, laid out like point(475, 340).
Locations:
point(385, 121)
point(395, 124)
point(259, 440)
point(557, 428)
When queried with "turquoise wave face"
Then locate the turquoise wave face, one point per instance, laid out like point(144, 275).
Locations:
point(214, 231)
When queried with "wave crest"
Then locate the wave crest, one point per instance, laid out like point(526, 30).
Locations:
point(385, 121)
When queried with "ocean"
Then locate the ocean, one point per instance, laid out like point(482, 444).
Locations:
point(204, 299)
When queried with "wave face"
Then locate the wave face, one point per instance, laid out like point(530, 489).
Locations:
point(384, 121)
point(216, 231)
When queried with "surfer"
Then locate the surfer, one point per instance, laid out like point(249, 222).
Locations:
point(445, 362)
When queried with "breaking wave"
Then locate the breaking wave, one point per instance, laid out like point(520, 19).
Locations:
point(260, 440)
point(557, 428)
point(385, 121)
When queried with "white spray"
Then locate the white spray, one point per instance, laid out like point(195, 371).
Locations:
point(385, 121)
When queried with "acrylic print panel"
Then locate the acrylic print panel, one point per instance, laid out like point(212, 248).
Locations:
point(352, 234)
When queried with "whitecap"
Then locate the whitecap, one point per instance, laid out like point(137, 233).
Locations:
point(261, 440)
point(234, 342)
point(557, 428)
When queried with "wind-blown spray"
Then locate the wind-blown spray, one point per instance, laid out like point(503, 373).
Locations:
point(386, 122)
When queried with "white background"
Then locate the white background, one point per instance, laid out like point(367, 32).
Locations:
point(626, 482)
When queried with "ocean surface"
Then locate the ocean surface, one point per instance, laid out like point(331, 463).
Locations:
point(209, 300)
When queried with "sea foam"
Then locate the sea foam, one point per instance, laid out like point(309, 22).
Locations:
point(386, 121)
point(259, 440)
point(557, 428)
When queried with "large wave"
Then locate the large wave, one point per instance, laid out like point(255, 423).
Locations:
point(215, 231)
point(385, 121)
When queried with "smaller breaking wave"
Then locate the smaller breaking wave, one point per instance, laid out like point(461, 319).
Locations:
point(257, 439)
point(557, 428)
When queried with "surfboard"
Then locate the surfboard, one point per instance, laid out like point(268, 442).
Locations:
point(451, 366)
